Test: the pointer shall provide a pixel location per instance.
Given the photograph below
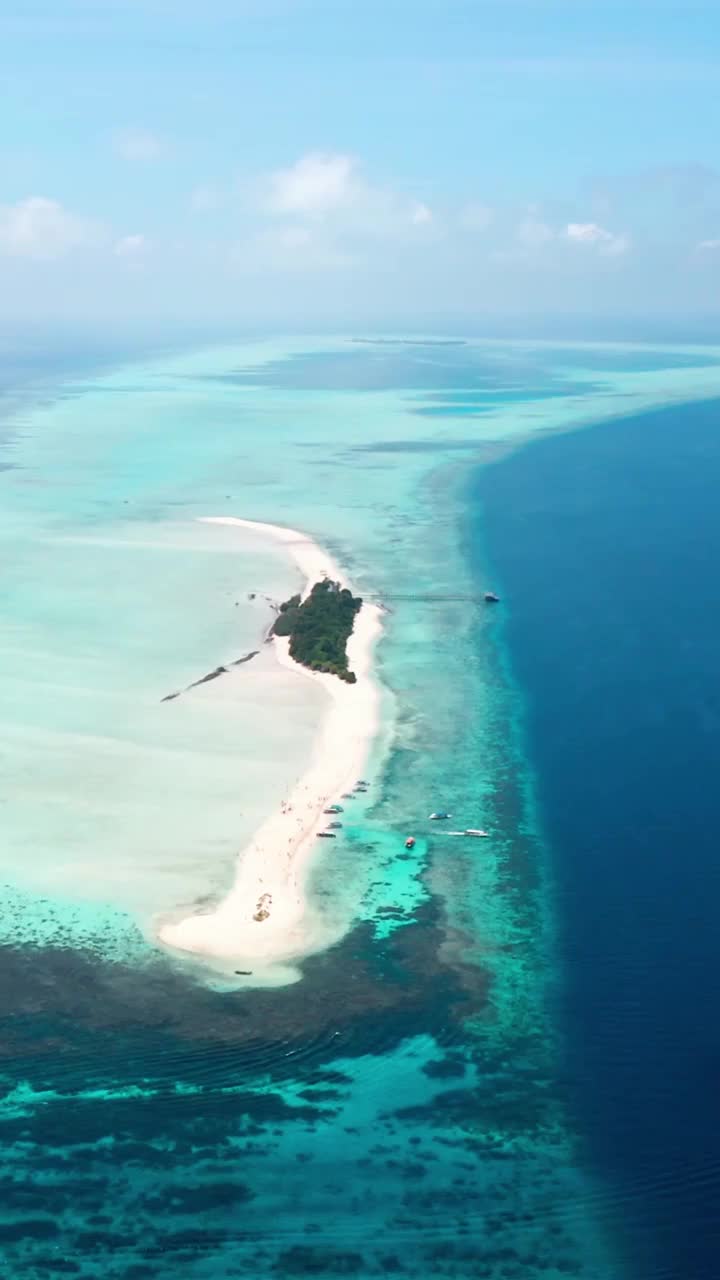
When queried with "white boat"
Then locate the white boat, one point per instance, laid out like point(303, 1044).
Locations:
point(438, 817)
point(475, 831)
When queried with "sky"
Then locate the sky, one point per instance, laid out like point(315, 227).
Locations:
point(336, 163)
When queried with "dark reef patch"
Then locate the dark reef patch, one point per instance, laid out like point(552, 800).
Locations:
point(28, 1228)
point(444, 1068)
point(200, 1198)
point(362, 992)
point(308, 1260)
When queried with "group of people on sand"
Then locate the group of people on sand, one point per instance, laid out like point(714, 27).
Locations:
point(262, 909)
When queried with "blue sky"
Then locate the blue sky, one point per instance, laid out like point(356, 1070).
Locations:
point(268, 161)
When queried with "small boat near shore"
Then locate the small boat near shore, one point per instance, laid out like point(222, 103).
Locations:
point(327, 835)
point(410, 842)
point(491, 598)
point(333, 808)
point(476, 831)
point(440, 816)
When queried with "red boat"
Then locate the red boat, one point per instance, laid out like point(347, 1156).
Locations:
point(410, 842)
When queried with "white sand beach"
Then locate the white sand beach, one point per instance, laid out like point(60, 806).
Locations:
point(264, 917)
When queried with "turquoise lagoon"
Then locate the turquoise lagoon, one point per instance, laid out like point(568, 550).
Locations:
point(398, 1105)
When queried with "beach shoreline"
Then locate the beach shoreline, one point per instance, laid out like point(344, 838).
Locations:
point(264, 917)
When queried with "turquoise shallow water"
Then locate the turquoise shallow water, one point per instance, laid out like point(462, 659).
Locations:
point(401, 1106)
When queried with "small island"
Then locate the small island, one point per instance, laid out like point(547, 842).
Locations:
point(319, 628)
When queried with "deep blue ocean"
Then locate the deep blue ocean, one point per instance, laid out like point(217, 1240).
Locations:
point(605, 546)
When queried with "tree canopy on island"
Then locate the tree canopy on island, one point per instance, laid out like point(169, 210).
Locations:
point(319, 628)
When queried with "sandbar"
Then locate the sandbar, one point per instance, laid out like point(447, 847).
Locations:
point(264, 917)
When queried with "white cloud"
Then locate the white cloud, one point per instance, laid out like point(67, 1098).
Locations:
point(42, 229)
point(139, 145)
point(330, 192)
point(131, 247)
point(421, 215)
point(533, 233)
point(709, 246)
point(316, 184)
point(590, 233)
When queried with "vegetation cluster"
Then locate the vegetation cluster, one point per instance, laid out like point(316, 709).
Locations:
point(319, 628)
